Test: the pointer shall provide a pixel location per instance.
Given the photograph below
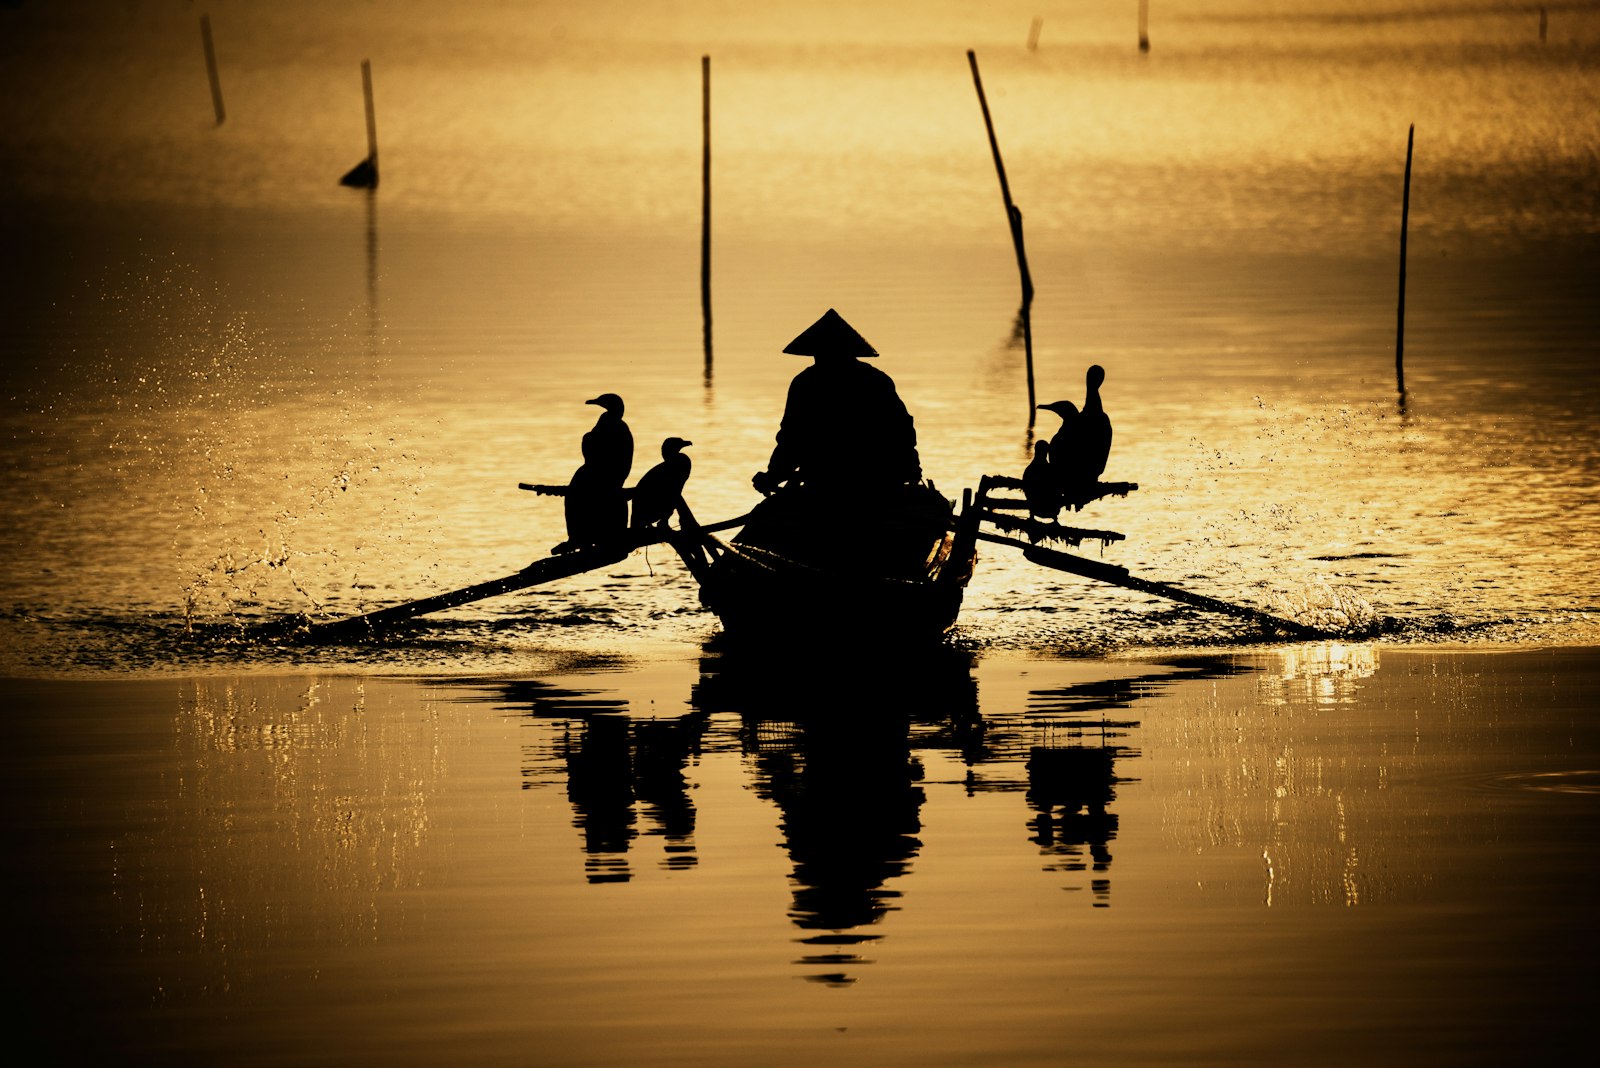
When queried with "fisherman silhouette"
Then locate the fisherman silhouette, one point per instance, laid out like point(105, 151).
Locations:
point(596, 507)
point(661, 488)
point(844, 427)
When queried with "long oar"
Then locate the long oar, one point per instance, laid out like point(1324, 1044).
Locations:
point(543, 570)
point(1119, 576)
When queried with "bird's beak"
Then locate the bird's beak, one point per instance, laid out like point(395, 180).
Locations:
point(687, 444)
point(596, 400)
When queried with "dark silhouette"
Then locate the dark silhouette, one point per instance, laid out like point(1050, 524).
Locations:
point(1039, 487)
point(1094, 428)
point(1080, 447)
point(844, 426)
point(1062, 444)
point(661, 488)
point(1069, 789)
point(596, 507)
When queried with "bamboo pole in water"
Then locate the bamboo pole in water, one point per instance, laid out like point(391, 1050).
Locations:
point(211, 68)
point(372, 121)
point(1014, 222)
point(365, 173)
point(705, 207)
point(1400, 316)
point(1144, 25)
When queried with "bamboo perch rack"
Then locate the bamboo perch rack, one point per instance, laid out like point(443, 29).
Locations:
point(688, 540)
point(1119, 576)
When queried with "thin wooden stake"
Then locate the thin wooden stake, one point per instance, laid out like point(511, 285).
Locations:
point(705, 207)
point(1400, 318)
point(372, 121)
point(1013, 216)
point(364, 175)
point(211, 69)
point(1026, 311)
point(1014, 222)
point(1033, 33)
point(1144, 25)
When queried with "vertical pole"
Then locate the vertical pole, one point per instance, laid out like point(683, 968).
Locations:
point(211, 68)
point(1027, 311)
point(1144, 25)
point(372, 121)
point(1014, 222)
point(1544, 23)
point(1012, 215)
point(1400, 320)
point(705, 206)
point(1033, 33)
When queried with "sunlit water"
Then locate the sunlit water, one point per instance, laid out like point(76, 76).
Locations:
point(241, 391)
point(581, 832)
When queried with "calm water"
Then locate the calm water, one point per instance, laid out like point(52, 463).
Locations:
point(237, 391)
point(1318, 856)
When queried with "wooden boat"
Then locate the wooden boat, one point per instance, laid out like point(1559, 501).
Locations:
point(889, 566)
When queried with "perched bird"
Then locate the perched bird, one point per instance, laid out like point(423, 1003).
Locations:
point(596, 507)
point(1079, 450)
point(1062, 445)
point(1094, 428)
point(661, 487)
point(608, 446)
point(1039, 484)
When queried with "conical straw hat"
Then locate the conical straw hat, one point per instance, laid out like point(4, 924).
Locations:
point(830, 336)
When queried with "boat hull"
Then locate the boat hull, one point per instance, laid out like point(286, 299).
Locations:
point(889, 569)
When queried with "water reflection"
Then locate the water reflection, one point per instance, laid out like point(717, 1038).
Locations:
point(841, 751)
point(1321, 674)
point(624, 777)
point(1070, 788)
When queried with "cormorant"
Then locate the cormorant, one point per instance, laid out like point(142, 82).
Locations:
point(608, 447)
point(661, 487)
point(1063, 444)
point(1094, 428)
point(1039, 485)
point(596, 507)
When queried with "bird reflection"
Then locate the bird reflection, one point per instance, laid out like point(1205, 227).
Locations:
point(625, 777)
point(622, 772)
point(1069, 789)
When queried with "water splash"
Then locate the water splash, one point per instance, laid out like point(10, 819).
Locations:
point(1330, 608)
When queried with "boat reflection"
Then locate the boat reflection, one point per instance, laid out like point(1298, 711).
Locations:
point(840, 751)
point(833, 751)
